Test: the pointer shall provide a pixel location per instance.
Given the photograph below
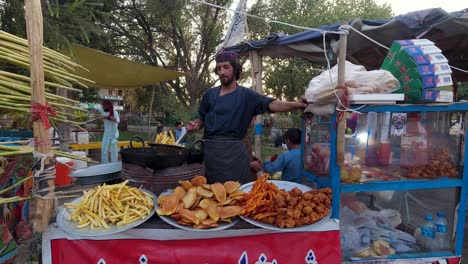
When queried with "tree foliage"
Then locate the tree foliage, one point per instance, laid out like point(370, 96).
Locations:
point(288, 78)
point(175, 34)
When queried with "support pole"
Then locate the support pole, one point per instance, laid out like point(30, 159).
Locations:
point(34, 24)
point(340, 129)
point(257, 82)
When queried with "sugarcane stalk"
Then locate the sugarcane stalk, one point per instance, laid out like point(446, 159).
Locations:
point(28, 80)
point(14, 199)
point(15, 185)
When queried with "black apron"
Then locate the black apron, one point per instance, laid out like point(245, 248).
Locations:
point(226, 160)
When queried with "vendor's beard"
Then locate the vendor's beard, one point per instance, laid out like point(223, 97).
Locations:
point(227, 82)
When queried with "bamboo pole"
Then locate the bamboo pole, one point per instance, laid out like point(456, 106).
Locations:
point(341, 127)
point(257, 80)
point(34, 24)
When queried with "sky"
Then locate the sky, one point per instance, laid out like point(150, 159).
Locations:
point(400, 7)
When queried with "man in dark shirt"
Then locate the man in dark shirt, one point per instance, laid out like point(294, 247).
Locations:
point(225, 113)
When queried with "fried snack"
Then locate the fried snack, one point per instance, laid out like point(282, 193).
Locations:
point(285, 209)
point(203, 205)
point(117, 204)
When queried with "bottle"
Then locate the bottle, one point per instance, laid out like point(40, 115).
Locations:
point(441, 234)
point(428, 232)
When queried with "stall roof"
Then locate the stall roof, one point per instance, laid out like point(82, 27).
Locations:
point(112, 72)
point(449, 31)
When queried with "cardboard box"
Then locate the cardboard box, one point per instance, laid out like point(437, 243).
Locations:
point(398, 44)
point(437, 58)
point(411, 90)
point(437, 81)
point(434, 95)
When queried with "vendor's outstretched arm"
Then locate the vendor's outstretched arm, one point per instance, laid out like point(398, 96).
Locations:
point(284, 106)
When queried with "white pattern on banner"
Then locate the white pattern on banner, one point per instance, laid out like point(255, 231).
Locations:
point(310, 258)
point(143, 259)
point(101, 261)
point(398, 124)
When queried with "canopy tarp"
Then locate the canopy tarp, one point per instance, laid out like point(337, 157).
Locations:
point(112, 72)
point(449, 32)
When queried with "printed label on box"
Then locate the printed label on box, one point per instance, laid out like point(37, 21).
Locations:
point(437, 58)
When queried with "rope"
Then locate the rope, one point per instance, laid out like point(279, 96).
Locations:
point(267, 20)
point(43, 174)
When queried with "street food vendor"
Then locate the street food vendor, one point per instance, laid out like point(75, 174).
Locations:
point(225, 112)
point(111, 132)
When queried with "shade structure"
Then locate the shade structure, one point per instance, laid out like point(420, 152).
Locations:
point(449, 32)
point(109, 71)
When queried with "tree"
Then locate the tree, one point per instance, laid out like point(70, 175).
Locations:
point(288, 78)
point(175, 34)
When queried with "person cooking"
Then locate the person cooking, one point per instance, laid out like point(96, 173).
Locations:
point(111, 132)
point(225, 112)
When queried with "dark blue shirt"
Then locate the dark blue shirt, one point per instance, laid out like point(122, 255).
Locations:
point(229, 116)
point(289, 163)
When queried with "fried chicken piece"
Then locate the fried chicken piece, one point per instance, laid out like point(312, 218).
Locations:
point(307, 196)
point(295, 192)
point(269, 220)
point(307, 210)
point(280, 222)
point(319, 209)
point(290, 223)
point(299, 206)
point(297, 214)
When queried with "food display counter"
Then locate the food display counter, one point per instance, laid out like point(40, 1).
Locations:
point(403, 179)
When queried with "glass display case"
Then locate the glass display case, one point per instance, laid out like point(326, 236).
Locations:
point(403, 175)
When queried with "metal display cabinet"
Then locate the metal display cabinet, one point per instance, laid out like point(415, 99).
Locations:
point(407, 158)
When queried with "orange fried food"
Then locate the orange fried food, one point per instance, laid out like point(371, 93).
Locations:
point(285, 209)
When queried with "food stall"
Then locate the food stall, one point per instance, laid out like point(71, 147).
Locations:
point(119, 223)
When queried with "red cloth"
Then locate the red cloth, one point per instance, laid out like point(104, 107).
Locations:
point(40, 111)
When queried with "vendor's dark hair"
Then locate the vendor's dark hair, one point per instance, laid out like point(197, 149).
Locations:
point(178, 123)
point(237, 69)
point(160, 121)
point(294, 135)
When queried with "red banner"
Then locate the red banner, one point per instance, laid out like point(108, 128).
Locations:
point(279, 248)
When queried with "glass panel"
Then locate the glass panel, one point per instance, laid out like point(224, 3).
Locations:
point(399, 146)
point(317, 145)
point(397, 222)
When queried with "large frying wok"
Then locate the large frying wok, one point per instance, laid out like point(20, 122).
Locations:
point(159, 156)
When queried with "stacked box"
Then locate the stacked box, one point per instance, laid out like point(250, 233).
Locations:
point(423, 72)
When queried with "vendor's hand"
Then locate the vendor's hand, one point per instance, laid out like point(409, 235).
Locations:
point(193, 125)
point(256, 166)
point(301, 102)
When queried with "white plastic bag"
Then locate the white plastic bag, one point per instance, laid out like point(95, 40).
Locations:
point(358, 80)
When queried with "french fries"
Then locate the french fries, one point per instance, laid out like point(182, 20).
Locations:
point(165, 138)
point(116, 204)
point(200, 205)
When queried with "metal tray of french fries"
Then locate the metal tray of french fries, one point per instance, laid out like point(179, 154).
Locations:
point(119, 208)
point(285, 185)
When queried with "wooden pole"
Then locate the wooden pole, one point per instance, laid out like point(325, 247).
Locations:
point(33, 12)
point(257, 81)
point(340, 130)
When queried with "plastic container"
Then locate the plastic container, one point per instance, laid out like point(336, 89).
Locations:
point(83, 137)
point(414, 148)
point(441, 233)
point(62, 177)
point(79, 164)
